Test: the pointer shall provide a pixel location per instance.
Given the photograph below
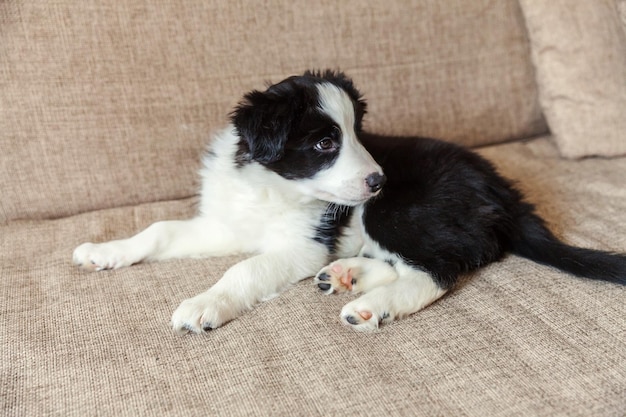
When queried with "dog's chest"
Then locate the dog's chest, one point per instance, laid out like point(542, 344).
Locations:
point(258, 213)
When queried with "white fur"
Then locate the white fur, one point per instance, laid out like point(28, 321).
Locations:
point(412, 291)
point(345, 182)
point(250, 209)
point(393, 289)
point(242, 210)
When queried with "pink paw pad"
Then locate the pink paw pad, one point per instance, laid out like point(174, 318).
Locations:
point(365, 315)
point(346, 278)
point(336, 277)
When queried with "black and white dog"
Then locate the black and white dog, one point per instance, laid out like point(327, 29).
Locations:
point(295, 181)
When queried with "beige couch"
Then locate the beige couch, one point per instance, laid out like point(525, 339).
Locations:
point(105, 108)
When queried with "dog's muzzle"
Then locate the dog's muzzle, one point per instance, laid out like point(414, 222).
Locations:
point(375, 181)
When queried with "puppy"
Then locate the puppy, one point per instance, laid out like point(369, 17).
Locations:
point(294, 181)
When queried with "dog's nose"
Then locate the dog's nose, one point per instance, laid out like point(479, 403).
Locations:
point(375, 181)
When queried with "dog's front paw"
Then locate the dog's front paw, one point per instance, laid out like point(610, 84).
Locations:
point(100, 256)
point(202, 313)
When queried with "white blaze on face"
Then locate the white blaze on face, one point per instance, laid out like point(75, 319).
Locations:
point(345, 181)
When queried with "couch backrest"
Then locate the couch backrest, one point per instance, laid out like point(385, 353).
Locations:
point(109, 103)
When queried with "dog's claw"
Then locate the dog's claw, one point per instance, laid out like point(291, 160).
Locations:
point(323, 277)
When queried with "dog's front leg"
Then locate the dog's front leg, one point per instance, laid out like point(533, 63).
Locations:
point(197, 237)
point(245, 284)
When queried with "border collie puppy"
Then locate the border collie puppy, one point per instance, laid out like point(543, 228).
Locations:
point(297, 183)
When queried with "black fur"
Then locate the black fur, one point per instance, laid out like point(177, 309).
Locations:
point(444, 208)
point(331, 225)
point(281, 126)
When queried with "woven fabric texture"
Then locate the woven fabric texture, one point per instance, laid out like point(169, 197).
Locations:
point(516, 339)
point(106, 108)
point(579, 50)
point(110, 103)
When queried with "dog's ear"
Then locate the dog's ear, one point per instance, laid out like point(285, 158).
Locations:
point(263, 120)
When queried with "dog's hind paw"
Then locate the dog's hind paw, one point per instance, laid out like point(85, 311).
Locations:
point(363, 315)
point(337, 277)
point(354, 275)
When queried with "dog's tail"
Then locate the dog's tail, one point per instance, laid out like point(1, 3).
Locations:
point(534, 241)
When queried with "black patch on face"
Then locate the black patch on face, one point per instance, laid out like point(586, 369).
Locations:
point(331, 225)
point(283, 128)
point(304, 154)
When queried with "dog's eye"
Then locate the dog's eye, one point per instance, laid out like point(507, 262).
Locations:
point(326, 145)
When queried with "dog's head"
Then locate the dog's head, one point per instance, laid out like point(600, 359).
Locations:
point(305, 129)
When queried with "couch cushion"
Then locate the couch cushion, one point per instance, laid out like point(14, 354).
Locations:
point(579, 50)
point(109, 103)
point(515, 339)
